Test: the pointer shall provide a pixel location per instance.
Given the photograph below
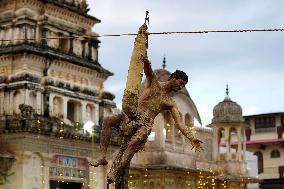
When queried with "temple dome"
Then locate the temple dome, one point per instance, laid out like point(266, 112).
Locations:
point(227, 111)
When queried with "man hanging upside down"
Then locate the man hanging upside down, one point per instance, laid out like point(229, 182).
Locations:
point(139, 109)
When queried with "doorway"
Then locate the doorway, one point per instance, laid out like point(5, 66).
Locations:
point(65, 185)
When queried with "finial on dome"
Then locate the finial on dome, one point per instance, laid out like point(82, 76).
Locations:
point(227, 89)
point(164, 62)
point(227, 92)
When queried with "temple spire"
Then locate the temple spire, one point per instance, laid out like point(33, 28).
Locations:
point(164, 62)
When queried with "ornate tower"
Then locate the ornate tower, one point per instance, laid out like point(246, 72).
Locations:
point(51, 83)
point(228, 127)
point(47, 63)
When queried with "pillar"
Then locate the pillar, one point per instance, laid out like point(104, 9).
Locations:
point(244, 145)
point(38, 103)
point(65, 101)
point(16, 34)
point(2, 103)
point(239, 151)
point(84, 112)
point(215, 145)
point(96, 114)
point(11, 106)
point(2, 34)
point(51, 113)
point(26, 96)
point(227, 135)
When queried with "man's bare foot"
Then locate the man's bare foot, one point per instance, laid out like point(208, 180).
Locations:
point(101, 161)
point(111, 177)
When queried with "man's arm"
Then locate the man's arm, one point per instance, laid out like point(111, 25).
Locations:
point(196, 143)
point(148, 70)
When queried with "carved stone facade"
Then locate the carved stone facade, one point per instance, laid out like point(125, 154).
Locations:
point(43, 63)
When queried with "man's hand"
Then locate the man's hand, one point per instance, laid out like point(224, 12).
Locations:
point(143, 29)
point(196, 143)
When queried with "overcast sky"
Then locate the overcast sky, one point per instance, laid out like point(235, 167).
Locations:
point(251, 63)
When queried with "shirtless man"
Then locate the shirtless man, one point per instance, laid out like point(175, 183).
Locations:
point(139, 109)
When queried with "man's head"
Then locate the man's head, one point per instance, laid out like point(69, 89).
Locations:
point(178, 80)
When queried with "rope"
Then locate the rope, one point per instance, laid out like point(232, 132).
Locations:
point(151, 33)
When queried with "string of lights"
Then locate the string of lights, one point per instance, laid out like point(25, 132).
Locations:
point(150, 33)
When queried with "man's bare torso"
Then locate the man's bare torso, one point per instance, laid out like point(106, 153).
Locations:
point(153, 100)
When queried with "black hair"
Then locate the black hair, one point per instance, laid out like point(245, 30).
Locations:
point(179, 75)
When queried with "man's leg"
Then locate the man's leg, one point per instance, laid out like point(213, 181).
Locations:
point(134, 77)
point(135, 144)
point(108, 123)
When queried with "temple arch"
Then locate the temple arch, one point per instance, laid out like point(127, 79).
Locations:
point(58, 107)
point(90, 112)
point(74, 111)
point(169, 124)
point(232, 135)
point(221, 140)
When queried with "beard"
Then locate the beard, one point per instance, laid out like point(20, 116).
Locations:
point(176, 89)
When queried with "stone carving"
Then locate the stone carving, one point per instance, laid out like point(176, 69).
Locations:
point(26, 111)
point(3, 79)
point(25, 77)
point(108, 95)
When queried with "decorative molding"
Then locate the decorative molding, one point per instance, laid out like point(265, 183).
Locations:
point(52, 53)
point(69, 16)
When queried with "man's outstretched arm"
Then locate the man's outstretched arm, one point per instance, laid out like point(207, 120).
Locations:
point(196, 143)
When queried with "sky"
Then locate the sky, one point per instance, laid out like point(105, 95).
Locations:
point(251, 63)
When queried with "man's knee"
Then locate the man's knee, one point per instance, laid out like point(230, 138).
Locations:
point(112, 121)
point(140, 137)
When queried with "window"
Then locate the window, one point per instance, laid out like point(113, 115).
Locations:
point(57, 107)
point(90, 112)
point(221, 140)
point(265, 122)
point(259, 161)
point(74, 110)
point(275, 154)
point(63, 43)
point(168, 126)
